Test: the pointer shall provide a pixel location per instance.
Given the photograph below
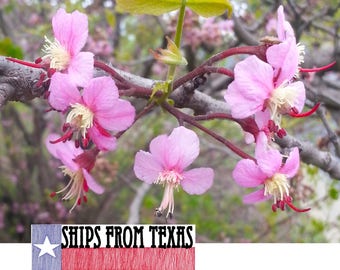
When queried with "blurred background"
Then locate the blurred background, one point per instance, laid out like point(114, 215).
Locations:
point(28, 174)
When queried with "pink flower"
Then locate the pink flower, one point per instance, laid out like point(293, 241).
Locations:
point(270, 172)
point(259, 85)
point(256, 88)
point(63, 54)
point(76, 165)
point(166, 162)
point(93, 113)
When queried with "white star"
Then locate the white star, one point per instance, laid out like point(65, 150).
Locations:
point(46, 247)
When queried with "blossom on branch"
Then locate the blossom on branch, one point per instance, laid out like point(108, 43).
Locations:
point(64, 53)
point(93, 113)
point(77, 165)
point(166, 162)
point(271, 173)
point(256, 88)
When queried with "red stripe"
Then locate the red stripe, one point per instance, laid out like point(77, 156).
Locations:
point(128, 259)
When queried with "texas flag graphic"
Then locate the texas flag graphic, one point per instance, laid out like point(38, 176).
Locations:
point(113, 247)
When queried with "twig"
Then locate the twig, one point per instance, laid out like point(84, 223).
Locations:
point(136, 203)
point(331, 134)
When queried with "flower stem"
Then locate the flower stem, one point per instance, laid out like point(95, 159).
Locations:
point(178, 37)
point(259, 51)
point(191, 120)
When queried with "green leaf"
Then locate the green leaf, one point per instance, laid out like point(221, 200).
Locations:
point(333, 193)
point(8, 48)
point(205, 8)
point(171, 55)
point(110, 18)
point(208, 8)
point(151, 7)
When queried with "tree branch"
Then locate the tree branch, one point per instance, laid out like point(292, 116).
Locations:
point(311, 155)
point(18, 82)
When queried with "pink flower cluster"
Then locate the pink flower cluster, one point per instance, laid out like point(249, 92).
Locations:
point(92, 105)
point(264, 91)
point(93, 110)
point(269, 86)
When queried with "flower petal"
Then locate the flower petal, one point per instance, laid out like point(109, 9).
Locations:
point(81, 68)
point(284, 57)
point(262, 118)
point(284, 29)
point(104, 143)
point(63, 92)
point(159, 148)
point(65, 152)
point(300, 91)
point(118, 117)
point(92, 184)
point(184, 148)
point(241, 106)
point(248, 92)
point(197, 181)
point(247, 174)
point(248, 137)
point(268, 159)
point(100, 93)
point(71, 30)
point(292, 164)
point(146, 167)
point(255, 197)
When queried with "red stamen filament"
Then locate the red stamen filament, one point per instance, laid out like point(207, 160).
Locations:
point(295, 208)
point(318, 68)
point(64, 138)
point(305, 114)
point(287, 200)
point(85, 186)
point(29, 64)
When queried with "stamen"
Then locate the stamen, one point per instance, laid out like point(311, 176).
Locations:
point(56, 54)
point(305, 114)
point(287, 200)
point(318, 68)
point(158, 212)
point(50, 72)
point(292, 206)
point(25, 63)
point(102, 131)
point(277, 186)
point(40, 82)
point(81, 118)
point(272, 127)
point(281, 101)
point(38, 60)
point(281, 133)
point(64, 138)
point(85, 186)
point(274, 207)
